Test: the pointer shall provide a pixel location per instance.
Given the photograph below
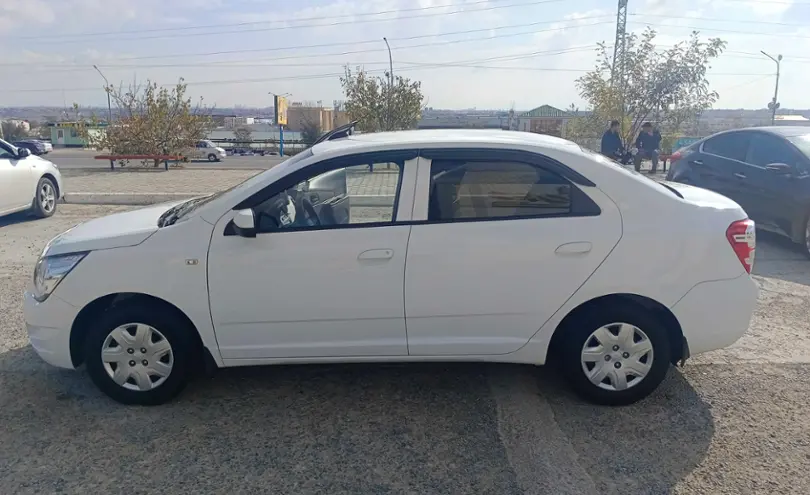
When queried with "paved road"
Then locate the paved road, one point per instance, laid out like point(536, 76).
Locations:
point(731, 422)
point(78, 158)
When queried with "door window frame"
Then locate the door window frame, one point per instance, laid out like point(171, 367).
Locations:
point(745, 134)
point(581, 204)
point(400, 157)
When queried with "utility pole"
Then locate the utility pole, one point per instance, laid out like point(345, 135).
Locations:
point(390, 83)
point(109, 106)
point(619, 57)
point(774, 105)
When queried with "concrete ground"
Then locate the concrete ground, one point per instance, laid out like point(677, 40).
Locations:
point(732, 421)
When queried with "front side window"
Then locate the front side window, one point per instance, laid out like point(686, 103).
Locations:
point(732, 145)
point(357, 194)
point(464, 189)
point(770, 149)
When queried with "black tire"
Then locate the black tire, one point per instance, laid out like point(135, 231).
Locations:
point(801, 235)
point(168, 322)
point(38, 207)
point(577, 332)
point(213, 158)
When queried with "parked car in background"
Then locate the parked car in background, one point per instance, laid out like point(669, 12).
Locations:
point(766, 170)
point(35, 146)
point(28, 182)
point(205, 150)
point(486, 245)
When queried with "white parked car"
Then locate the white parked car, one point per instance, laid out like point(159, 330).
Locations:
point(206, 150)
point(28, 182)
point(459, 246)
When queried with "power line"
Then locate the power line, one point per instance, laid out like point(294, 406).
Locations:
point(711, 29)
point(715, 19)
point(350, 43)
point(303, 26)
point(253, 23)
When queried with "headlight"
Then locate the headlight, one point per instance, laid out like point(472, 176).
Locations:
point(50, 270)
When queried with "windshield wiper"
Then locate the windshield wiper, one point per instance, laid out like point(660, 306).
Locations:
point(177, 212)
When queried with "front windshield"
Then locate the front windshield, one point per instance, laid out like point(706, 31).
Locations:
point(802, 142)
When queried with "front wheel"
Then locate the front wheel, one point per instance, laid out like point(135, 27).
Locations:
point(139, 353)
point(615, 355)
point(213, 158)
point(44, 204)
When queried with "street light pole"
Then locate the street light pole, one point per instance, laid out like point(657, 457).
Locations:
point(775, 103)
point(109, 105)
point(390, 82)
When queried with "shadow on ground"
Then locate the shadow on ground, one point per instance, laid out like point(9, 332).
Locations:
point(328, 429)
point(778, 257)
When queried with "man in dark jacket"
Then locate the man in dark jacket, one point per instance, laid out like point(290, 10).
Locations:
point(611, 142)
point(648, 144)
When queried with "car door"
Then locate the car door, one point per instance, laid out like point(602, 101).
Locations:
point(315, 282)
point(504, 240)
point(16, 180)
point(714, 166)
point(772, 195)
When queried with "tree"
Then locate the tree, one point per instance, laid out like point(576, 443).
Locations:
point(367, 101)
point(13, 131)
point(666, 86)
point(243, 136)
point(310, 132)
point(152, 120)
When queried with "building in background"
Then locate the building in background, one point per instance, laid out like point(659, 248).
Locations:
point(232, 122)
point(544, 119)
point(300, 115)
point(66, 134)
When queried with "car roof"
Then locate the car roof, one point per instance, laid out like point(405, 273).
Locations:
point(784, 131)
point(463, 138)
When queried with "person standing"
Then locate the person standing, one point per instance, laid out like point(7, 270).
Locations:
point(612, 146)
point(647, 143)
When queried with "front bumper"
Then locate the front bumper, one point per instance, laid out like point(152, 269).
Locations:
point(48, 325)
point(714, 315)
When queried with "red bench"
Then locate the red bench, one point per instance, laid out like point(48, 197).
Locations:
point(161, 158)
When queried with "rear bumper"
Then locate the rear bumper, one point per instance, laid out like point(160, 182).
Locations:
point(716, 314)
point(48, 325)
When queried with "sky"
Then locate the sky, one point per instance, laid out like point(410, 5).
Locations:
point(485, 54)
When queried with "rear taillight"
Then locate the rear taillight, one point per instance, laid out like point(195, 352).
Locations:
point(743, 239)
point(675, 157)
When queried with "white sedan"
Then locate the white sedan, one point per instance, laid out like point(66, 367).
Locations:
point(28, 182)
point(406, 246)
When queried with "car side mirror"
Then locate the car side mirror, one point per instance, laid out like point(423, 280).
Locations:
point(23, 152)
point(244, 223)
point(779, 168)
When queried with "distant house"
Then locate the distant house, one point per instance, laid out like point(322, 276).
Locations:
point(544, 119)
point(66, 134)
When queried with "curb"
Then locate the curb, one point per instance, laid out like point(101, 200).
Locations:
point(144, 199)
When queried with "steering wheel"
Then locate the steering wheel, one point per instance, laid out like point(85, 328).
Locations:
point(305, 206)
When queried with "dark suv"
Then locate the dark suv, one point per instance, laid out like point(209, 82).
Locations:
point(766, 170)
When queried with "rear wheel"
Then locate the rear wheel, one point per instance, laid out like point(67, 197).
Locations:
point(140, 353)
point(614, 355)
point(44, 204)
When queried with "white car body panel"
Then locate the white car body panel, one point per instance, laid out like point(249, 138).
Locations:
point(460, 293)
point(19, 178)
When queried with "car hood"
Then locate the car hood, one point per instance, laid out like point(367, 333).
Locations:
point(113, 231)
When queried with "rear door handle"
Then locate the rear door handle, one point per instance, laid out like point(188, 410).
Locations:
point(739, 175)
point(696, 162)
point(574, 248)
point(376, 254)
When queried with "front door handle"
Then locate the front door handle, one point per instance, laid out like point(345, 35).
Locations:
point(739, 175)
point(696, 162)
point(376, 254)
point(574, 248)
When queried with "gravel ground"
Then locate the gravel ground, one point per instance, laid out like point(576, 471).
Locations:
point(732, 421)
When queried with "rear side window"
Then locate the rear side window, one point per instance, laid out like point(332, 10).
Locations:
point(468, 189)
point(732, 145)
